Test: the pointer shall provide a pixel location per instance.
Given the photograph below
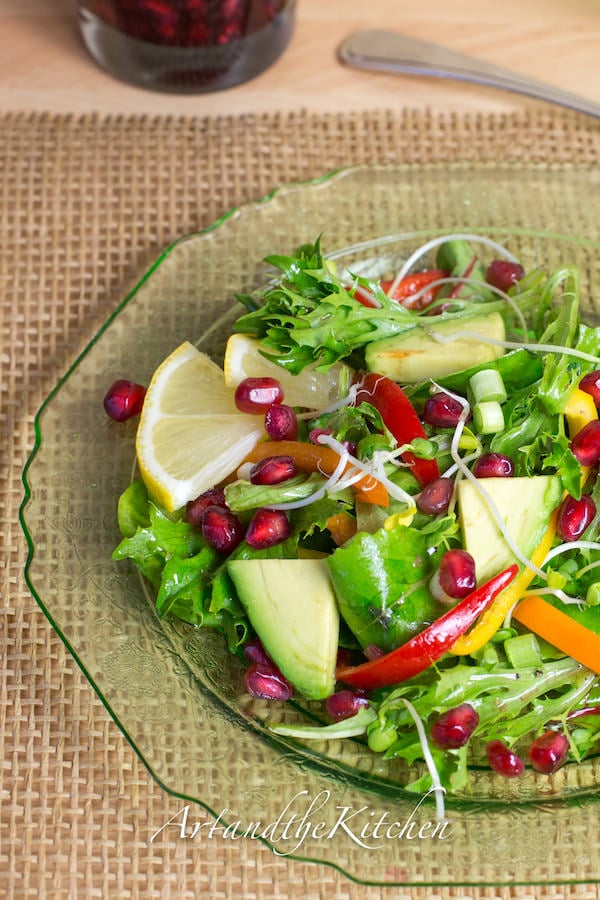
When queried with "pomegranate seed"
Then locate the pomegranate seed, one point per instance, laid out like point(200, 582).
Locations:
point(255, 653)
point(503, 274)
point(281, 423)
point(267, 528)
point(494, 465)
point(195, 509)
point(221, 529)
point(273, 470)
point(316, 433)
point(442, 410)
point(574, 516)
point(457, 573)
point(590, 383)
point(344, 704)
point(124, 399)
point(372, 651)
point(503, 760)
point(454, 727)
point(255, 395)
point(586, 444)
point(548, 752)
point(267, 682)
point(435, 496)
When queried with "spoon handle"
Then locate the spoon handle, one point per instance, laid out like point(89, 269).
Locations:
point(388, 51)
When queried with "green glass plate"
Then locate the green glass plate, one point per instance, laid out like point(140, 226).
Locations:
point(174, 691)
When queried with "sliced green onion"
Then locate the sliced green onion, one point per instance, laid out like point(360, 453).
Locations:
point(523, 651)
point(487, 384)
point(488, 417)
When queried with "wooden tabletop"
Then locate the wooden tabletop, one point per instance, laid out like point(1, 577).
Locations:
point(44, 66)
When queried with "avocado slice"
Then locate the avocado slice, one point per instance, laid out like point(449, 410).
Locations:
point(292, 608)
point(415, 354)
point(525, 505)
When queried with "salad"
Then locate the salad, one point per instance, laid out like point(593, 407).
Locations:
point(387, 502)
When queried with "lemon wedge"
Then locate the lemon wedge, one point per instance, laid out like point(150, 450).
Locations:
point(310, 389)
point(191, 435)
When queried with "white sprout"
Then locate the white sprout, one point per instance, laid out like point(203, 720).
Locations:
point(439, 790)
point(436, 242)
point(462, 467)
point(374, 468)
point(570, 545)
point(345, 401)
point(331, 481)
point(556, 592)
point(512, 345)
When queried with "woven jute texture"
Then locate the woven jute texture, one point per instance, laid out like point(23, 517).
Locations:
point(87, 203)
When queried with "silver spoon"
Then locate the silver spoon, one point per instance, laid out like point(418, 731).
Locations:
point(387, 51)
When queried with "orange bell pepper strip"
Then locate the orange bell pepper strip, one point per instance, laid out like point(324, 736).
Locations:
point(560, 630)
point(315, 458)
point(342, 527)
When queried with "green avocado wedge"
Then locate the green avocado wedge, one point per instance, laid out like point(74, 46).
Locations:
point(434, 349)
point(525, 505)
point(292, 608)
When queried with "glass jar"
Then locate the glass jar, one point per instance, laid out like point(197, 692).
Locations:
point(186, 46)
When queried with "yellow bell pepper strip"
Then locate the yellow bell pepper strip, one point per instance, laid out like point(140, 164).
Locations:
point(579, 410)
point(429, 645)
point(314, 458)
point(560, 630)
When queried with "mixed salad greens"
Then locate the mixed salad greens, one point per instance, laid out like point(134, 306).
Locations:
point(421, 557)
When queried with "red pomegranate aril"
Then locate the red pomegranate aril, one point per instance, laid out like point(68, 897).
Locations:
point(442, 410)
point(454, 727)
point(372, 651)
point(457, 574)
point(254, 652)
point(585, 446)
point(344, 704)
point(124, 399)
point(195, 509)
point(549, 752)
point(281, 422)
point(266, 682)
point(255, 395)
point(315, 433)
point(267, 528)
point(435, 496)
point(590, 383)
point(222, 529)
point(504, 274)
point(494, 465)
point(273, 470)
point(503, 760)
point(574, 516)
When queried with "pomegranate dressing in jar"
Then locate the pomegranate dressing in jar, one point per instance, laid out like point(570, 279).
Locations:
point(186, 46)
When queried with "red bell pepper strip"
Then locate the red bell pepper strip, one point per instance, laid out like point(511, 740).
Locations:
point(430, 645)
point(405, 289)
point(400, 418)
point(412, 284)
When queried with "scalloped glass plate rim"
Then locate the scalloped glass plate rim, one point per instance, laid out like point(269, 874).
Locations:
point(38, 429)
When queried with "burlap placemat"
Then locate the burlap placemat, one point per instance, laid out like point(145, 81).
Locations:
point(87, 203)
